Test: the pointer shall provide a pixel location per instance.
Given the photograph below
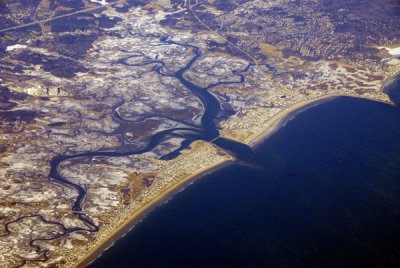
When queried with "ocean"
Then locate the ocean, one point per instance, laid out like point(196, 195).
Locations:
point(324, 192)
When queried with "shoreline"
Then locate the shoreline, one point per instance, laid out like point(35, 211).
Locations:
point(271, 127)
point(389, 80)
point(389, 84)
point(140, 214)
point(280, 119)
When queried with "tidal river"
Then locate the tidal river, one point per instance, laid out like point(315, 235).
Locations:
point(325, 192)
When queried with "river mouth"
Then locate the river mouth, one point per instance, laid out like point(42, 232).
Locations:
point(206, 130)
point(393, 90)
point(327, 196)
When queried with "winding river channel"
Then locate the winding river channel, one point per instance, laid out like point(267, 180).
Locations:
point(207, 130)
point(328, 195)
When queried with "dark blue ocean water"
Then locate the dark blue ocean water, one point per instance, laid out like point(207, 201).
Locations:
point(327, 194)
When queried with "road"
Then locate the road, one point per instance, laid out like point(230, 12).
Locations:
point(58, 17)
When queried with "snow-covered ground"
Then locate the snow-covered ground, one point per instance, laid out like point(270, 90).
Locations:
point(101, 2)
point(14, 47)
point(392, 51)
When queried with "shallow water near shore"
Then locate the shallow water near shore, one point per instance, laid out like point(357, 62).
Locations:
point(393, 90)
point(324, 192)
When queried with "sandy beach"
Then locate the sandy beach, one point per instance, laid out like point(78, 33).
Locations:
point(138, 215)
point(272, 126)
point(280, 119)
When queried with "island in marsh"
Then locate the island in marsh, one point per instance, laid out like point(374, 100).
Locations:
point(106, 108)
